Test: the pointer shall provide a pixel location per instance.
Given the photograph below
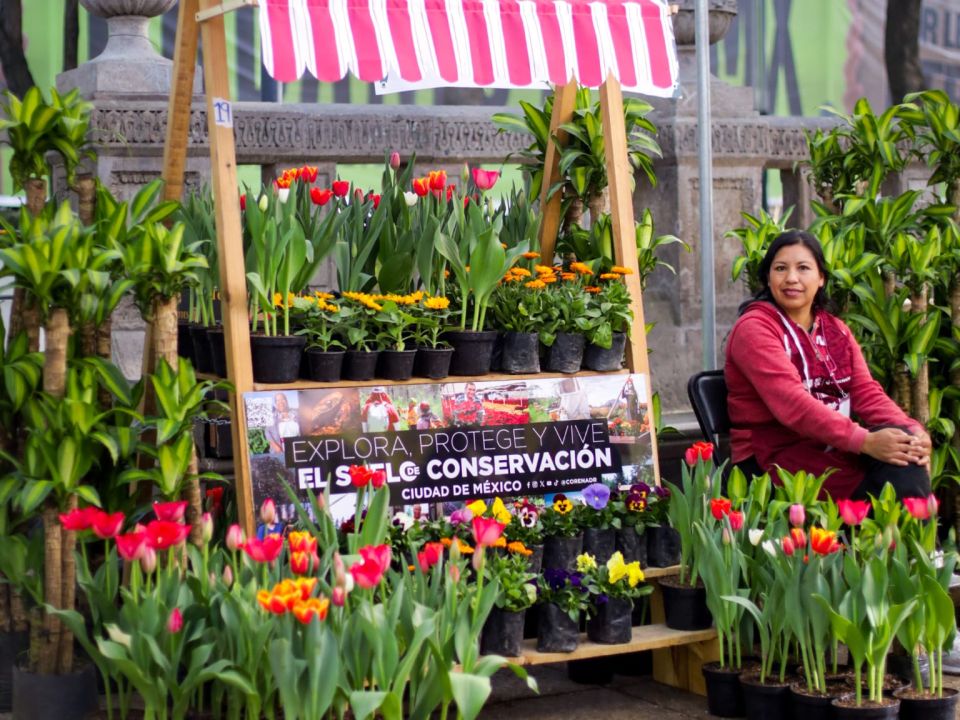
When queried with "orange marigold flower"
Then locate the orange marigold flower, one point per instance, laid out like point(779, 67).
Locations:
point(620, 270)
point(322, 295)
point(530, 255)
point(436, 303)
point(568, 276)
point(609, 276)
point(581, 268)
point(465, 549)
point(543, 269)
point(548, 278)
point(518, 548)
point(520, 272)
point(500, 542)
point(592, 289)
point(535, 284)
point(446, 542)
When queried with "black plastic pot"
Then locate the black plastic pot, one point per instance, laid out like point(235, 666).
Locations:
point(632, 545)
point(724, 695)
point(54, 697)
point(12, 644)
point(324, 365)
point(605, 359)
point(535, 560)
point(556, 631)
point(927, 708)
point(396, 364)
point(496, 356)
point(218, 351)
point(276, 359)
point(804, 706)
point(663, 546)
point(472, 351)
point(685, 607)
point(560, 553)
point(611, 625)
point(764, 701)
point(201, 349)
point(359, 364)
point(433, 363)
point(521, 353)
point(502, 633)
point(844, 711)
point(566, 353)
point(599, 542)
point(184, 342)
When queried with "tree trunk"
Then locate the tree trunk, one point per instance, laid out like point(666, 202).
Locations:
point(889, 283)
point(165, 331)
point(68, 590)
point(36, 192)
point(86, 198)
point(901, 390)
point(13, 59)
point(920, 385)
point(55, 354)
point(901, 48)
point(47, 655)
point(18, 612)
point(574, 214)
point(88, 340)
point(193, 496)
point(598, 204)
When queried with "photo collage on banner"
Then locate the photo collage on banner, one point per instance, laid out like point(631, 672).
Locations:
point(450, 443)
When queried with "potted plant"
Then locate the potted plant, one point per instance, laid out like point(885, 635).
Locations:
point(562, 534)
point(563, 597)
point(611, 318)
point(518, 311)
point(663, 541)
point(360, 359)
point(630, 519)
point(614, 587)
point(596, 516)
point(321, 320)
point(525, 527)
point(433, 354)
point(503, 631)
point(395, 325)
point(565, 318)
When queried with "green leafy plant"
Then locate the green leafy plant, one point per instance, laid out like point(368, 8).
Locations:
point(511, 575)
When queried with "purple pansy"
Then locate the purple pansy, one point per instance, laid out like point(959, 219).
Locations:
point(596, 495)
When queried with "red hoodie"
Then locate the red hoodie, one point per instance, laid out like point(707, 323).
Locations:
point(787, 391)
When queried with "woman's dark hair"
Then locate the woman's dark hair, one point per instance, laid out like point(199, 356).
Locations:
point(785, 239)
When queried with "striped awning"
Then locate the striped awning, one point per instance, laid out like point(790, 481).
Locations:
point(506, 43)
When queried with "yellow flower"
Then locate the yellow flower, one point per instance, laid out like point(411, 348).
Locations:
point(530, 255)
point(277, 300)
point(581, 268)
point(609, 276)
point(562, 506)
point(586, 562)
point(634, 574)
point(543, 269)
point(322, 295)
point(436, 303)
point(500, 512)
point(616, 568)
point(519, 272)
point(548, 278)
point(535, 284)
point(620, 270)
point(568, 276)
point(477, 507)
point(518, 548)
point(592, 289)
point(500, 542)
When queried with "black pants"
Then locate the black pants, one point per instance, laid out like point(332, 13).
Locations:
point(908, 480)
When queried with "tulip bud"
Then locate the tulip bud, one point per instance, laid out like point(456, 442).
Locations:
point(268, 512)
point(148, 561)
point(348, 584)
point(338, 596)
point(395, 160)
point(798, 515)
point(228, 576)
point(175, 621)
point(339, 572)
point(770, 548)
point(788, 547)
point(755, 535)
point(477, 559)
point(213, 578)
point(454, 571)
point(235, 537)
point(263, 203)
point(465, 174)
point(933, 505)
point(206, 526)
point(725, 536)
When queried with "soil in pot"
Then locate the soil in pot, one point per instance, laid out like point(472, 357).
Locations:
point(611, 625)
point(560, 553)
point(521, 353)
point(632, 545)
point(433, 363)
point(218, 351)
point(685, 607)
point(566, 353)
point(663, 546)
point(556, 631)
point(395, 364)
point(472, 351)
point(324, 365)
point(599, 542)
point(359, 364)
point(54, 697)
point(919, 705)
point(845, 708)
point(764, 701)
point(810, 705)
point(12, 645)
point(276, 359)
point(202, 361)
point(605, 359)
point(724, 695)
point(502, 633)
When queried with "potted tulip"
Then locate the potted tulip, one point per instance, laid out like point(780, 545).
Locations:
point(614, 587)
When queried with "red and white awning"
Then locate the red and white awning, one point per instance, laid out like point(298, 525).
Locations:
point(508, 43)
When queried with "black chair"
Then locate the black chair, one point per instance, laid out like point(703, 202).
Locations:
point(708, 396)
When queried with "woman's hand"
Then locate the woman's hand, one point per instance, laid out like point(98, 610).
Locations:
point(894, 446)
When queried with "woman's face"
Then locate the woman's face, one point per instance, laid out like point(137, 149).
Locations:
point(280, 401)
point(794, 279)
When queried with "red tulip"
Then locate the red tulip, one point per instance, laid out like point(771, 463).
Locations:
point(235, 537)
point(421, 186)
point(78, 519)
point(320, 197)
point(215, 497)
point(485, 179)
point(395, 160)
point(360, 475)
point(264, 551)
point(698, 451)
point(719, 507)
point(369, 572)
point(164, 534)
point(243, 203)
point(340, 188)
point(486, 531)
point(853, 512)
point(437, 180)
point(921, 507)
point(175, 621)
point(131, 546)
point(302, 563)
point(430, 555)
point(375, 198)
point(170, 511)
point(823, 542)
point(378, 478)
point(107, 525)
point(308, 173)
point(449, 193)
point(788, 547)
point(736, 519)
point(799, 537)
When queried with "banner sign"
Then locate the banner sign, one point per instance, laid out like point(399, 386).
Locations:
point(451, 442)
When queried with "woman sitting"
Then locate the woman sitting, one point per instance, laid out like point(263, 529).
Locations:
point(795, 374)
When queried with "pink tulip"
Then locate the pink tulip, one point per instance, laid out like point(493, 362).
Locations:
point(228, 576)
point(268, 512)
point(369, 572)
point(798, 515)
point(264, 551)
point(338, 596)
point(485, 179)
point(235, 537)
point(148, 559)
point(853, 512)
point(921, 507)
point(736, 519)
point(486, 531)
point(175, 621)
point(395, 160)
point(170, 511)
point(107, 525)
point(206, 525)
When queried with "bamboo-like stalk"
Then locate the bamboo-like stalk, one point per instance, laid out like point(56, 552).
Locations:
point(889, 283)
point(901, 390)
point(55, 354)
point(47, 653)
point(88, 339)
point(86, 198)
point(18, 612)
point(920, 385)
point(598, 204)
point(68, 591)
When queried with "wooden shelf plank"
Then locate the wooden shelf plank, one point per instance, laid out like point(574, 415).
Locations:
point(491, 377)
point(645, 637)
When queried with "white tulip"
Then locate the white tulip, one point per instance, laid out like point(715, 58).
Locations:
point(264, 203)
point(410, 198)
point(755, 535)
point(770, 547)
point(283, 194)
